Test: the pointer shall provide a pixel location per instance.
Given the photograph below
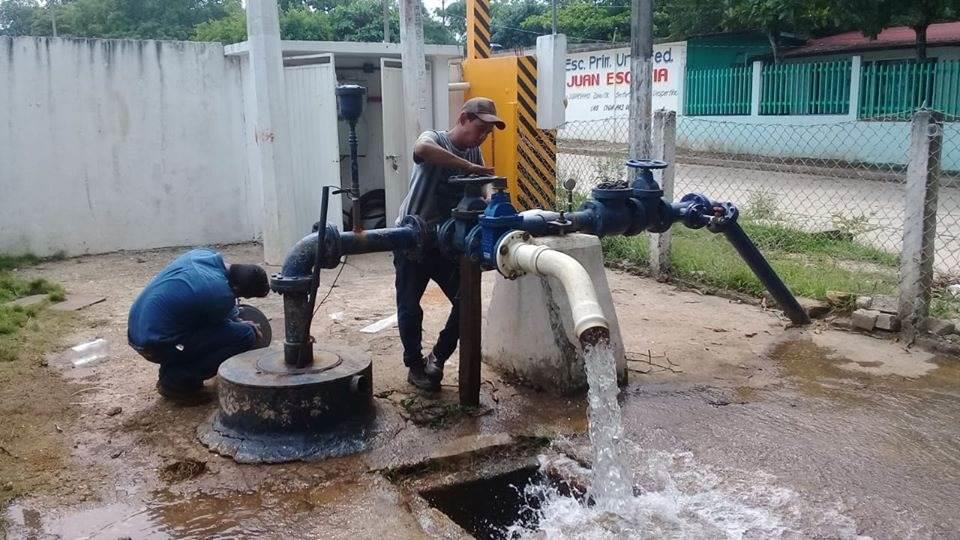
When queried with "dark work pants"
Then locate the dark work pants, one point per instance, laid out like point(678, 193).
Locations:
point(411, 282)
point(202, 354)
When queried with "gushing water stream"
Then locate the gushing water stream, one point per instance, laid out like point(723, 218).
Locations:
point(683, 499)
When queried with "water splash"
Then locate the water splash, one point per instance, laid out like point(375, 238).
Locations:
point(683, 498)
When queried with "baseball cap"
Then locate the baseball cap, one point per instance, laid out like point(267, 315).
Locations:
point(485, 109)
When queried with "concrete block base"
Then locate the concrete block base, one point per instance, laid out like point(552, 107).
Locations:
point(529, 335)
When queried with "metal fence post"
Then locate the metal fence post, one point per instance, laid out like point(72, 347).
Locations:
point(920, 220)
point(664, 148)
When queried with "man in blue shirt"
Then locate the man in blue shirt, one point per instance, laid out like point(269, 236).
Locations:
point(186, 319)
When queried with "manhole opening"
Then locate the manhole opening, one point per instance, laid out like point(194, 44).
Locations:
point(488, 507)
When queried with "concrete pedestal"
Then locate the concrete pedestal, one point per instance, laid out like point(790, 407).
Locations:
point(529, 334)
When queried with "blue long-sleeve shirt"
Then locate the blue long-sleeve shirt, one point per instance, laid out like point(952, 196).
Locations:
point(191, 294)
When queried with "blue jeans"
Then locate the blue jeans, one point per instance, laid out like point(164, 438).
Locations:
point(411, 282)
point(202, 354)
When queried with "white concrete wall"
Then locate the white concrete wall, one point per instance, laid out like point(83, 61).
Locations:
point(114, 144)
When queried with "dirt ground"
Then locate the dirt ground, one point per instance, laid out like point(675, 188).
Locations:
point(78, 467)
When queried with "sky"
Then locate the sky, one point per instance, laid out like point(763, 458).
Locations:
point(431, 5)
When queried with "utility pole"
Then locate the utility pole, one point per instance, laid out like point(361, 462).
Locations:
point(386, 21)
point(641, 75)
point(414, 61)
point(553, 7)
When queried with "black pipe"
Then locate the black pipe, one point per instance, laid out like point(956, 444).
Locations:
point(761, 268)
point(545, 222)
point(301, 348)
point(377, 240)
point(354, 179)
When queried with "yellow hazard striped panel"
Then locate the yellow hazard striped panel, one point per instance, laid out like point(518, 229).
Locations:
point(537, 148)
point(478, 28)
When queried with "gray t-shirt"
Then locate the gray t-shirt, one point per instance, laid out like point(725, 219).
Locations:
point(430, 196)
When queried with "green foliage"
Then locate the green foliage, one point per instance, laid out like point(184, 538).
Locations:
point(454, 17)
point(206, 20)
point(13, 287)
point(944, 305)
point(230, 29)
point(872, 16)
point(761, 205)
point(360, 20)
point(586, 20)
point(13, 318)
point(303, 24)
point(507, 19)
point(135, 19)
point(16, 17)
point(809, 263)
point(11, 262)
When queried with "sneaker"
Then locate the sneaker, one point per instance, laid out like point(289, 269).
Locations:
point(433, 367)
point(184, 396)
point(417, 377)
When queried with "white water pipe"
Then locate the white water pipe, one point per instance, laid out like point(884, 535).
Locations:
point(516, 256)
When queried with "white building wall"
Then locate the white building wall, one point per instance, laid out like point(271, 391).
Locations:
point(115, 144)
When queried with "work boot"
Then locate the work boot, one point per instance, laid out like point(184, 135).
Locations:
point(417, 377)
point(433, 368)
point(184, 396)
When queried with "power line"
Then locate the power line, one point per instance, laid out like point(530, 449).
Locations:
point(525, 31)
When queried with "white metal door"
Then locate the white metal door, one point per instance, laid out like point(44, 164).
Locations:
point(315, 151)
point(397, 151)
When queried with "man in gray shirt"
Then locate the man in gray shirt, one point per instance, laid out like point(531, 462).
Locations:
point(438, 155)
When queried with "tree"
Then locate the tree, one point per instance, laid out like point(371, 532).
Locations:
point(586, 20)
point(455, 19)
point(360, 20)
point(137, 19)
point(17, 16)
point(772, 17)
point(229, 29)
point(871, 16)
point(683, 18)
point(507, 18)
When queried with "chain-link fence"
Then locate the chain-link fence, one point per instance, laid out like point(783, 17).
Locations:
point(824, 200)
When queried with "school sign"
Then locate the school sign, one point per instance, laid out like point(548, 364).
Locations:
point(598, 82)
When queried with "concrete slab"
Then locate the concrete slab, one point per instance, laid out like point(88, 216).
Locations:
point(472, 444)
point(530, 335)
point(888, 322)
point(864, 319)
point(28, 301)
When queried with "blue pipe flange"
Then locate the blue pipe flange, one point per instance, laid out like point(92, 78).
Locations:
point(694, 210)
point(472, 244)
point(423, 235)
point(445, 233)
point(724, 214)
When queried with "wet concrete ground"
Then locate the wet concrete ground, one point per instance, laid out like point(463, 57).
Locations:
point(808, 433)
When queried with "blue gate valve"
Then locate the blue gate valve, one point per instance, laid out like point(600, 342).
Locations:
point(499, 218)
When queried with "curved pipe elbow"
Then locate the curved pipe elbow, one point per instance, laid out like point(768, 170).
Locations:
point(516, 256)
point(301, 258)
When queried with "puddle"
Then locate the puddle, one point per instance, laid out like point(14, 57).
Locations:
point(167, 515)
point(824, 370)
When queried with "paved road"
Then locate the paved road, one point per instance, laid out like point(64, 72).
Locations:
point(806, 201)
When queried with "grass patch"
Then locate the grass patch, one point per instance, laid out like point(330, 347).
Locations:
point(809, 263)
point(15, 318)
point(944, 305)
